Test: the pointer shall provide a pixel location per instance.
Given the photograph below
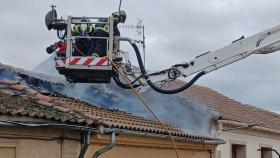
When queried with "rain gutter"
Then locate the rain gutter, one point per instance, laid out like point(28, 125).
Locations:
point(112, 130)
point(106, 148)
point(234, 123)
point(193, 140)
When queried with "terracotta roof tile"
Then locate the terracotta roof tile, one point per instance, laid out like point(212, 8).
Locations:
point(17, 86)
point(42, 97)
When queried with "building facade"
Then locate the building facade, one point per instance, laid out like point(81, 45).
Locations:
point(244, 143)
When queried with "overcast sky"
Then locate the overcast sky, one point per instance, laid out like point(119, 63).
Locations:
point(176, 31)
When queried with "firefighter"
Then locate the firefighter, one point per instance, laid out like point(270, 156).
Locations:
point(100, 45)
point(82, 45)
point(102, 30)
point(83, 29)
point(119, 17)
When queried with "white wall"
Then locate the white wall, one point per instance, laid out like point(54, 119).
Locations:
point(252, 139)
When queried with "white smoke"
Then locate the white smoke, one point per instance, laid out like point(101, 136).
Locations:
point(191, 117)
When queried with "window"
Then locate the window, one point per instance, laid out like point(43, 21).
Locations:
point(266, 152)
point(7, 152)
point(238, 151)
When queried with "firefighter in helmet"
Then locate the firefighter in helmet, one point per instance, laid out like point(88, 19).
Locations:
point(119, 17)
point(82, 45)
point(102, 30)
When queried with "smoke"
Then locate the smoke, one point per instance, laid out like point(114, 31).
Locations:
point(47, 67)
point(191, 117)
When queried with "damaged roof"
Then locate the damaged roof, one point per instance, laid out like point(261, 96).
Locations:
point(228, 108)
point(17, 99)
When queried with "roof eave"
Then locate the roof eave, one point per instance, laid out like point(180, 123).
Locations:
point(258, 128)
point(211, 141)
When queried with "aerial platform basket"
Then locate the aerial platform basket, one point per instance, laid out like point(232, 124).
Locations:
point(85, 68)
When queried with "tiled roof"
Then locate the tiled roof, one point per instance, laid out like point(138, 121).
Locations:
point(228, 108)
point(20, 100)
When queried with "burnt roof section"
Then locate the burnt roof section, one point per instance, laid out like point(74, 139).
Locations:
point(17, 99)
point(228, 108)
point(20, 100)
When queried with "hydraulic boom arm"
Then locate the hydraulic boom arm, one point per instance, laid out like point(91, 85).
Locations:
point(261, 43)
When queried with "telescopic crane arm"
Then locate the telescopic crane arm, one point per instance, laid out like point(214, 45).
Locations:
point(86, 69)
point(261, 43)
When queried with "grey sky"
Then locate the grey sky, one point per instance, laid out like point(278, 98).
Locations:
point(176, 31)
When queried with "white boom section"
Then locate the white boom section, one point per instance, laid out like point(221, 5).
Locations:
point(261, 43)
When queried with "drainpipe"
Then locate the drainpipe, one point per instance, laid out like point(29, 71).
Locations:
point(211, 153)
point(106, 148)
point(220, 126)
point(86, 139)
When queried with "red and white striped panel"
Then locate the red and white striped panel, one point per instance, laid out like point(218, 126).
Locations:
point(89, 61)
point(60, 63)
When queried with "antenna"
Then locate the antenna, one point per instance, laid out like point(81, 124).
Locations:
point(53, 6)
point(140, 30)
point(120, 5)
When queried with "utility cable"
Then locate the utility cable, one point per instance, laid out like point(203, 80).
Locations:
point(120, 5)
point(148, 108)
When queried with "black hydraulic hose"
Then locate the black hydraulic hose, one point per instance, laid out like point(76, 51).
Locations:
point(172, 91)
point(138, 78)
point(117, 81)
point(125, 86)
point(122, 85)
point(182, 88)
point(139, 59)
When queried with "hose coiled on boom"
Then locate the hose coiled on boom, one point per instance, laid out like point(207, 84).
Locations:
point(155, 87)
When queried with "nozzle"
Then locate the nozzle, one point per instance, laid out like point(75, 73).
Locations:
point(50, 49)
